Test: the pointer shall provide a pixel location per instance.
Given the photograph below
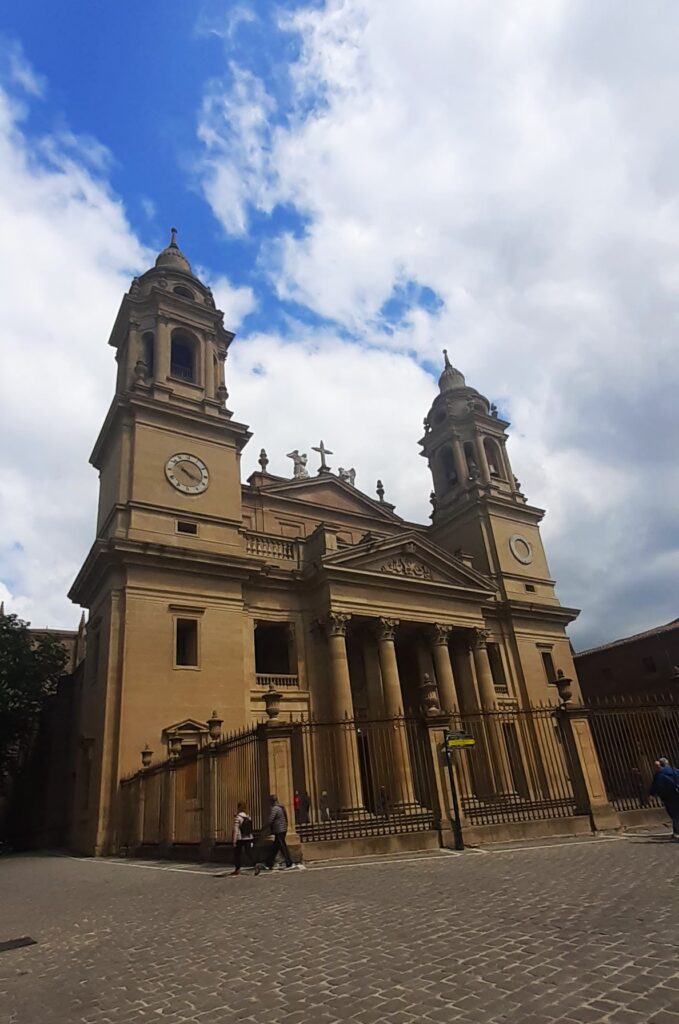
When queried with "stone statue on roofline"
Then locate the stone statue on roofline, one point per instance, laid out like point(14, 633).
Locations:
point(299, 462)
point(348, 475)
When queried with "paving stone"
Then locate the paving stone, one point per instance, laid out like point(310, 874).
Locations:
point(580, 934)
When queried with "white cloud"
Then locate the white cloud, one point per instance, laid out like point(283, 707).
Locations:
point(528, 174)
point(20, 71)
point(234, 302)
point(67, 255)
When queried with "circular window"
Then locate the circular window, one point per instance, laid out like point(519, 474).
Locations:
point(521, 549)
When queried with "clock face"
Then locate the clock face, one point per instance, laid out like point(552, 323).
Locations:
point(187, 473)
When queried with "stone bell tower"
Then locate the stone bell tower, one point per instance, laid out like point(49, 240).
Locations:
point(163, 579)
point(169, 448)
point(479, 509)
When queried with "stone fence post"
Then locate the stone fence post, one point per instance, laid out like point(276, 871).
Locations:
point(168, 808)
point(583, 764)
point(275, 747)
point(436, 722)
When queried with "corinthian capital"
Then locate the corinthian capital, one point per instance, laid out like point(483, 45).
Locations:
point(479, 638)
point(440, 633)
point(335, 623)
point(385, 629)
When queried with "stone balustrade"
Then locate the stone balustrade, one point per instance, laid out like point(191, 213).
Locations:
point(264, 545)
point(264, 679)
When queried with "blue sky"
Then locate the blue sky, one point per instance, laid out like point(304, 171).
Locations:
point(362, 184)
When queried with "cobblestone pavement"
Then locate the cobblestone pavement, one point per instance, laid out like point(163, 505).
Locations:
point(583, 931)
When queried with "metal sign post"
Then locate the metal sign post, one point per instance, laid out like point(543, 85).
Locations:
point(455, 740)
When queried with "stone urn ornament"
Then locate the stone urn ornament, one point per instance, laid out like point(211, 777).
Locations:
point(146, 756)
point(429, 695)
point(214, 724)
point(564, 685)
point(272, 702)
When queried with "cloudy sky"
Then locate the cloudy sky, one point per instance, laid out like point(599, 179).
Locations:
point(363, 182)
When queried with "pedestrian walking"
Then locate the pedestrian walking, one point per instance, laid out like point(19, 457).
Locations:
point(666, 786)
point(278, 828)
point(243, 839)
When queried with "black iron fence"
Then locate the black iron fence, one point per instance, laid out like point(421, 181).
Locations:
point(630, 734)
point(362, 778)
point(517, 770)
point(358, 778)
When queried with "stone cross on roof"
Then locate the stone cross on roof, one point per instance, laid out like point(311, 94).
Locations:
point(323, 451)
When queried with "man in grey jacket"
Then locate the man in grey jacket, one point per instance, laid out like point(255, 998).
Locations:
point(278, 828)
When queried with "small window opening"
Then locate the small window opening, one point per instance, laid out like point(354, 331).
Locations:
point(493, 457)
point(530, 588)
point(184, 527)
point(148, 352)
point(272, 648)
point(497, 669)
point(181, 360)
point(649, 666)
point(185, 293)
point(548, 665)
point(186, 652)
point(448, 468)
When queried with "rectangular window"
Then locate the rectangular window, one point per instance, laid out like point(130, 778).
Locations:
point(649, 666)
point(184, 527)
point(186, 643)
point(548, 663)
point(497, 668)
point(530, 587)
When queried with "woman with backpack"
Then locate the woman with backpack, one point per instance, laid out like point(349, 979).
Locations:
point(243, 839)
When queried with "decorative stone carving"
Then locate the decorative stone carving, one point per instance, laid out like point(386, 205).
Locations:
point(564, 685)
point(299, 462)
point(336, 623)
point(429, 695)
point(209, 298)
point(263, 460)
point(403, 566)
point(432, 499)
point(493, 410)
point(348, 475)
point(141, 371)
point(380, 490)
point(272, 702)
point(440, 634)
point(385, 629)
point(479, 638)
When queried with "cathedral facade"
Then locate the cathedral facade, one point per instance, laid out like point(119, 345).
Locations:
point(205, 593)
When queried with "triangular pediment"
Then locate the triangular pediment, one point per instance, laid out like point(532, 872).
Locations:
point(328, 491)
point(409, 557)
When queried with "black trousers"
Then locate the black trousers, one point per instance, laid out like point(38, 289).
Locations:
point(279, 843)
point(246, 846)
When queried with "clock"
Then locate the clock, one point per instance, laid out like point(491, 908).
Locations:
point(187, 473)
point(521, 548)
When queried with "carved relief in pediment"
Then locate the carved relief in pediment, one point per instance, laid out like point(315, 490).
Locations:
point(404, 565)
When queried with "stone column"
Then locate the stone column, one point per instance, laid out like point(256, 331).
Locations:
point(482, 460)
point(373, 678)
point(464, 676)
point(444, 670)
point(402, 794)
point(460, 460)
point(496, 746)
point(162, 345)
point(345, 746)
point(207, 763)
point(484, 676)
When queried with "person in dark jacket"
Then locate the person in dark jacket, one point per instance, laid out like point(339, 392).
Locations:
point(278, 828)
point(666, 786)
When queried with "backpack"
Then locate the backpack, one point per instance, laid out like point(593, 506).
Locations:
point(246, 827)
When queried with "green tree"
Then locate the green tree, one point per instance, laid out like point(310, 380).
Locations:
point(30, 667)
